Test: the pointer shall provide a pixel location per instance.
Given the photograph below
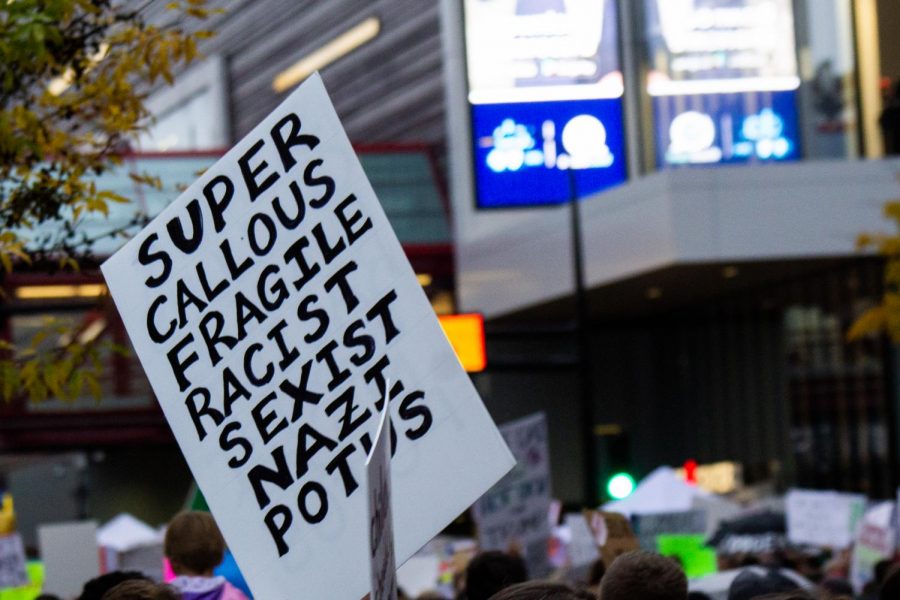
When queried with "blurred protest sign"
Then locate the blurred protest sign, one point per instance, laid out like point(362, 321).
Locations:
point(12, 561)
point(513, 513)
point(648, 527)
point(820, 518)
point(382, 567)
point(70, 555)
point(33, 586)
point(582, 548)
point(268, 305)
point(613, 534)
point(695, 557)
point(12, 550)
point(7, 514)
point(875, 541)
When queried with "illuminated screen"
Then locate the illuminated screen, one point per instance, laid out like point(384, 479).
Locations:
point(523, 152)
point(723, 80)
point(726, 128)
point(545, 90)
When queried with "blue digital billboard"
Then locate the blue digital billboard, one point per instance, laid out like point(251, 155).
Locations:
point(723, 81)
point(524, 152)
point(545, 92)
point(726, 128)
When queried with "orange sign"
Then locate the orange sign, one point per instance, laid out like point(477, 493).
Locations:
point(466, 335)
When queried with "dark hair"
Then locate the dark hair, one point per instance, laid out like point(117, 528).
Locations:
point(194, 542)
point(492, 571)
point(96, 587)
point(755, 582)
point(890, 587)
point(882, 568)
point(838, 587)
point(542, 590)
point(140, 589)
point(643, 575)
point(596, 572)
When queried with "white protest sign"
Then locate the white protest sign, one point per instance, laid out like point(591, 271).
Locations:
point(70, 555)
point(823, 518)
point(513, 514)
point(875, 541)
point(268, 305)
point(12, 562)
point(583, 549)
point(382, 567)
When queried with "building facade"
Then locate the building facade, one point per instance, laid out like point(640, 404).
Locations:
point(715, 296)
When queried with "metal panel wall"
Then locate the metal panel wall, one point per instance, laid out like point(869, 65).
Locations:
point(389, 90)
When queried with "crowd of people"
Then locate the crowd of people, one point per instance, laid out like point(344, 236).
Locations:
point(194, 547)
point(643, 575)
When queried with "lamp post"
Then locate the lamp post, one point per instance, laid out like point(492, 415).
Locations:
point(583, 346)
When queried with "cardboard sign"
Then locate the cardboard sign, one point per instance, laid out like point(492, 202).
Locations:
point(70, 555)
point(12, 562)
point(513, 514)
point(648, 527)
point(616, 533)
point(875, 541)
point(582, 549)
point(382, 567)
point(268, 305)
point(825, 519)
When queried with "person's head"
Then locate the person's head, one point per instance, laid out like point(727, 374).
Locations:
point(141, 589)
point(643, 575)
point(96, 587)
point(194, 545)
point(542, 590)
point(755, 582)
point(492, 571)
point(890, 587)
point(795, 595)
point(882, 568)
point(596, 572)
point(837, 588)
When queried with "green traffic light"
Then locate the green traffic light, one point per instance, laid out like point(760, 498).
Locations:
point(620, 486)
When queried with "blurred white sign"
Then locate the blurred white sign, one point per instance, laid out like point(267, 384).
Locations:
point(823, 518)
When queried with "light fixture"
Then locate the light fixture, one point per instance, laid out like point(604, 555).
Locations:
point(43, 292)
point(424, 279)
point(654, 293)
point(730, 272)
point(337, 48)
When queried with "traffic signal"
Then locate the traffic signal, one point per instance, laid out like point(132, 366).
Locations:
point(620, 486)
point(616, 480)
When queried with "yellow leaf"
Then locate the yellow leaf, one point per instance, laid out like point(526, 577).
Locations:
point(871, 321)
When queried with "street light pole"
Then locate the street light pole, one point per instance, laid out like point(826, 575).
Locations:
point(583, 344)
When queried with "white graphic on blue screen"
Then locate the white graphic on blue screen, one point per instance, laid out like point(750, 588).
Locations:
point(514, 146)
point(763, 137)
point(694, 138)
